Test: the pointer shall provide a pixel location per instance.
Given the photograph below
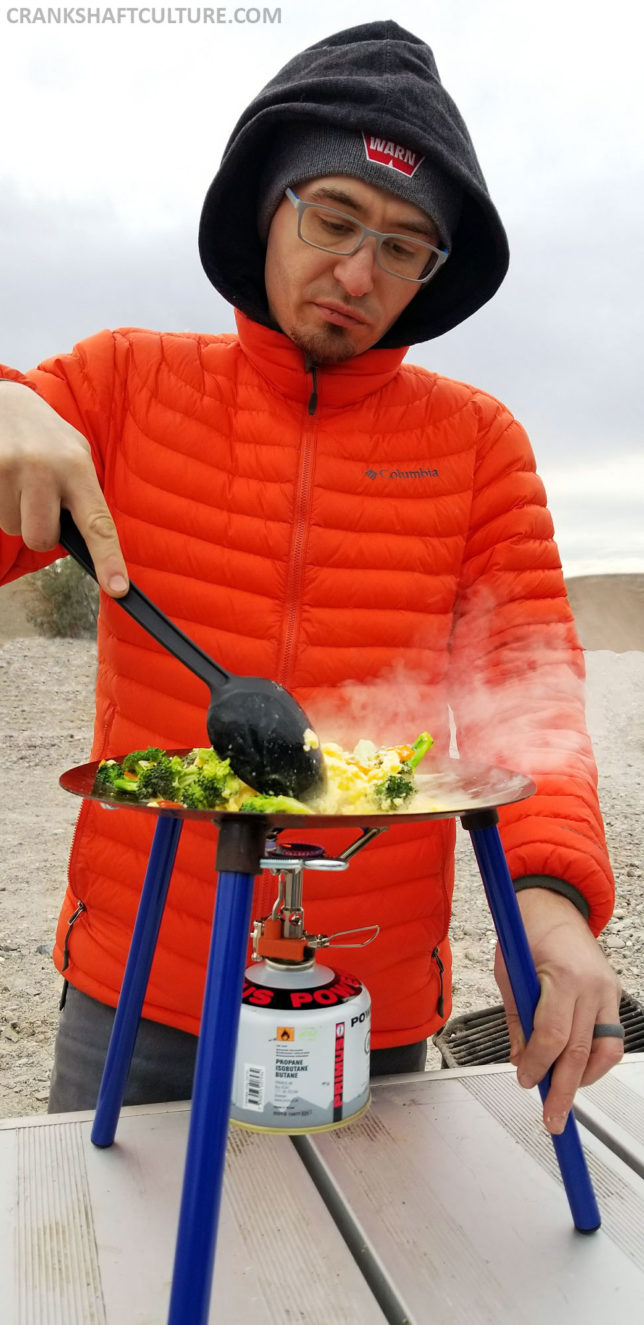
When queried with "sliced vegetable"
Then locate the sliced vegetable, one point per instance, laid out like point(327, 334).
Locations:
point(419, 749)
point(273, 805)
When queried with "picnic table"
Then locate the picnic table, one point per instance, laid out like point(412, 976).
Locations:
point(443, 1203)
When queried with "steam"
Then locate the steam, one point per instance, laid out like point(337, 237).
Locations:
point(532, 721)
point(513, 697)
point(391, 708)
point(517, 688)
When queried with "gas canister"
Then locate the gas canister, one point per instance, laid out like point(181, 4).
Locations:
point(304, 1034)
point(303, 1051)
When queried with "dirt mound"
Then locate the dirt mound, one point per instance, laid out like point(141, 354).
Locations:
point(609, 611)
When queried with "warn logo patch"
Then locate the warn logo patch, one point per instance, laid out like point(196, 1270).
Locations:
point(387, 153)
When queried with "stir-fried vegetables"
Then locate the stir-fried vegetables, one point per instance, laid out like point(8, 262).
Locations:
point(367, 779)
point(200, 779)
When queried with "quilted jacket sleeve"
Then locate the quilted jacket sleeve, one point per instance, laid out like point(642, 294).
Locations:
point(82, 388)
point(517, 671)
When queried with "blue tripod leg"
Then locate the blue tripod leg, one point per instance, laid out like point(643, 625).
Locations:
point(241, 845)
point(524, 982)
point(135, 978)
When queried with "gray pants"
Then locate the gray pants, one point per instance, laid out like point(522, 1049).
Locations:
point(163, 1061)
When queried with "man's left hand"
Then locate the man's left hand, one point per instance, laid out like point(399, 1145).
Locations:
point(578, 990)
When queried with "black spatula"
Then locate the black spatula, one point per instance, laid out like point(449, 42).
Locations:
point(254, 722)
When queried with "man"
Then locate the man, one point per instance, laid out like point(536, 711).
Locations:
point(370, 535)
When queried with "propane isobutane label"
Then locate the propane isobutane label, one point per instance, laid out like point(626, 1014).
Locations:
point(309, 1069)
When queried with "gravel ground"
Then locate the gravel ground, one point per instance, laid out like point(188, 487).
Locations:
point(46, 707)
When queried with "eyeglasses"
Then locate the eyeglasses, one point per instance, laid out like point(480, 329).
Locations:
point(337, 232)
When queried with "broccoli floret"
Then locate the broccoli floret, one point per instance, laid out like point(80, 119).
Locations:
point(209, 763)
point(212, 777)
point(204, 788)
point(107, 773)
point(157, 781)
point(109, 778)
point(203, 781)
point(216, 787)
point(396, 788)
point(399, 787)
point(193, 797)
point(273, 805)
point(132, 762)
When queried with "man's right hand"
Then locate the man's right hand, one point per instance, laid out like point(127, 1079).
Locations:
point(45, 463)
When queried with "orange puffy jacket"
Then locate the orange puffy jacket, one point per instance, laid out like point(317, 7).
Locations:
point(380, 553)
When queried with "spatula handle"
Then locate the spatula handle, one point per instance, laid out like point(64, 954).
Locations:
point(146, 613)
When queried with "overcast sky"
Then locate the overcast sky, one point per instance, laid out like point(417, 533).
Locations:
point(111, 134)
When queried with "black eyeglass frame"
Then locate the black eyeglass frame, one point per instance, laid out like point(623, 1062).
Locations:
point(301, 206)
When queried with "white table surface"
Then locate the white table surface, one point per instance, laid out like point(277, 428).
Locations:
point(451, 1188)
point(447, 1190)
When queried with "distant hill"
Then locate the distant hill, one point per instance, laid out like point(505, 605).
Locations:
point(609, 611)
point(13, 617)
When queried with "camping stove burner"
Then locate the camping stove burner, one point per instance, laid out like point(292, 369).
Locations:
point(280, 938)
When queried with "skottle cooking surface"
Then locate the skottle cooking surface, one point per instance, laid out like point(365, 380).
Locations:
point(254, 722)
point(453, 789)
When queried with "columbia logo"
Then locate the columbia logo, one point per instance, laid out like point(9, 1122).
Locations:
point(401, 473)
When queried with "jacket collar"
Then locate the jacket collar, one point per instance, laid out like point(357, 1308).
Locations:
point(283, 365)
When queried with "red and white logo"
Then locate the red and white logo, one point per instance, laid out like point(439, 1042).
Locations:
point(390, 154)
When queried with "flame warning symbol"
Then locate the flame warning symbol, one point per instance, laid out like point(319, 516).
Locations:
point(285, 1033)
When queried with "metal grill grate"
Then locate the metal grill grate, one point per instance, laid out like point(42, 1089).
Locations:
point(482, 1037)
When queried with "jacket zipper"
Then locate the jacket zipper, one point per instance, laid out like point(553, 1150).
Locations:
point(75, 915)
point(263, 896)
point(301, 520)
point(312, 368)
point(440, 1006)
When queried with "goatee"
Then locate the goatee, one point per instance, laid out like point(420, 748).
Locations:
point(328, 346)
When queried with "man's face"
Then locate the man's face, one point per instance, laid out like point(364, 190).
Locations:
point(336, 307)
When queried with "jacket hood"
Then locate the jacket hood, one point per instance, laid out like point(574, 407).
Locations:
point(379, 79)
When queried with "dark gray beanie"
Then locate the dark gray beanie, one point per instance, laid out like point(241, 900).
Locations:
point(301, 152)
point(379, 78)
